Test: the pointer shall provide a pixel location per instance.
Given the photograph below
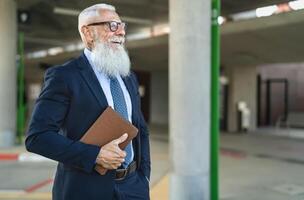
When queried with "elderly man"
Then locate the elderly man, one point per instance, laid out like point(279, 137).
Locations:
point(73, 96)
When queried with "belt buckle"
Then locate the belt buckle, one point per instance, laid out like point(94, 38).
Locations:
point(125, 172)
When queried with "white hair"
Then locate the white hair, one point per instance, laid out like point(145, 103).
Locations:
point(90, 13)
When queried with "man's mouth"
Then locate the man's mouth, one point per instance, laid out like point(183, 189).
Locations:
point(117, 42)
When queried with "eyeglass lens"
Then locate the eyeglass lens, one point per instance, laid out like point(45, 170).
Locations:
point(114, 25)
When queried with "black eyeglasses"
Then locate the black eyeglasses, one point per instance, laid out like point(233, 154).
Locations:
point(113, 25)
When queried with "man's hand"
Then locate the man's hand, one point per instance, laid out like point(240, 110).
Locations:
point(110, 155)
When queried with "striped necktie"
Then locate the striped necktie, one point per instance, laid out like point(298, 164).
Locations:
point(120, 106)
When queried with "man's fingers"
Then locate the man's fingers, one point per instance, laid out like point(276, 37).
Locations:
point(109, 154)
point(113, 160)
point(113, 156)
point(121, 139)
point(113, 165)
point(114, 148)
point(121, 153)
point(117, 165)
point(110, 159)
point(117, 151)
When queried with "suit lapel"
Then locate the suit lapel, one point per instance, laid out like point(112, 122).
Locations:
point(132, 94)
point(91, 80)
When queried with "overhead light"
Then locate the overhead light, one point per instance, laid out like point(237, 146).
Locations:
point(296, 5)
point(266, 11)
point(54, 51)
point(160, 29)
point(37, 54)
point(244, 15)
point(224, 80)
point(24, 17)
point(221, 20)
point(66, 11)
point(70, 48)
point(143, 33)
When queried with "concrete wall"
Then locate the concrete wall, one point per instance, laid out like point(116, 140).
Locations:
point(294, 73)
point(242, 87)
point(159, 97)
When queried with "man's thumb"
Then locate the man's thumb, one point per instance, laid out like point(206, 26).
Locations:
point(122, 138)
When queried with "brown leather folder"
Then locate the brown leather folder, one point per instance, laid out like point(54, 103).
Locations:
point(109, 126)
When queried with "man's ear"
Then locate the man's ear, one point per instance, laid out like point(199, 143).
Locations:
point(88, 35)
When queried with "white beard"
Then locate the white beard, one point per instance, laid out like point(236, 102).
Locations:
point(111, 62)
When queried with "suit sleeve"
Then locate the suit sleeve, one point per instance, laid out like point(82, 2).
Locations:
point(145, 148)
point(47, 119)
point(144, 140)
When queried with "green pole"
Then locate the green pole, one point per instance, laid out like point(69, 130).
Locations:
point(215, 63)
point(21, 106)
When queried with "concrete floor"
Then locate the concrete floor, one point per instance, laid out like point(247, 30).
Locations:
point(261, 167)
point(253, 166)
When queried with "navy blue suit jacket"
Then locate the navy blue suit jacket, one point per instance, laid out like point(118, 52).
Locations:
point(70, 101)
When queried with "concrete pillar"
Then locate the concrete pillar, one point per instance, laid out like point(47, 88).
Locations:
point(189, 90)
point(242, 87)
point(8, 75)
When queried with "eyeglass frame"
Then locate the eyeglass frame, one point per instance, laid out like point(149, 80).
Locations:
point(123, 24)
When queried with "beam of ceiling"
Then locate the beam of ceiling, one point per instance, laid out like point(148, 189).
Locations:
point(252, 41)
point(273, 39)
point(257, 24)
point(232, 6)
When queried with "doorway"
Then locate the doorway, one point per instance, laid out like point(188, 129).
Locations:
point(144, 80)
point(272, 101)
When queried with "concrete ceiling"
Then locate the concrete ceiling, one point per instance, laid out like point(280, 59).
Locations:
point(274, 39)
point(249, 42)
point(48, 29)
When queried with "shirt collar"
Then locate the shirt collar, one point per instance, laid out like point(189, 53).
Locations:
point(88, 54)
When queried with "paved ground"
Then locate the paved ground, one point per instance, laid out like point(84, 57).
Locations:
point(27, 176)
point(254, 166)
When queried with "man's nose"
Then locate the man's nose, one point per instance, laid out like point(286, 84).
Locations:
point(120, 31)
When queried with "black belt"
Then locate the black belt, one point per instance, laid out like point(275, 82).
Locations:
point(123, 173)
